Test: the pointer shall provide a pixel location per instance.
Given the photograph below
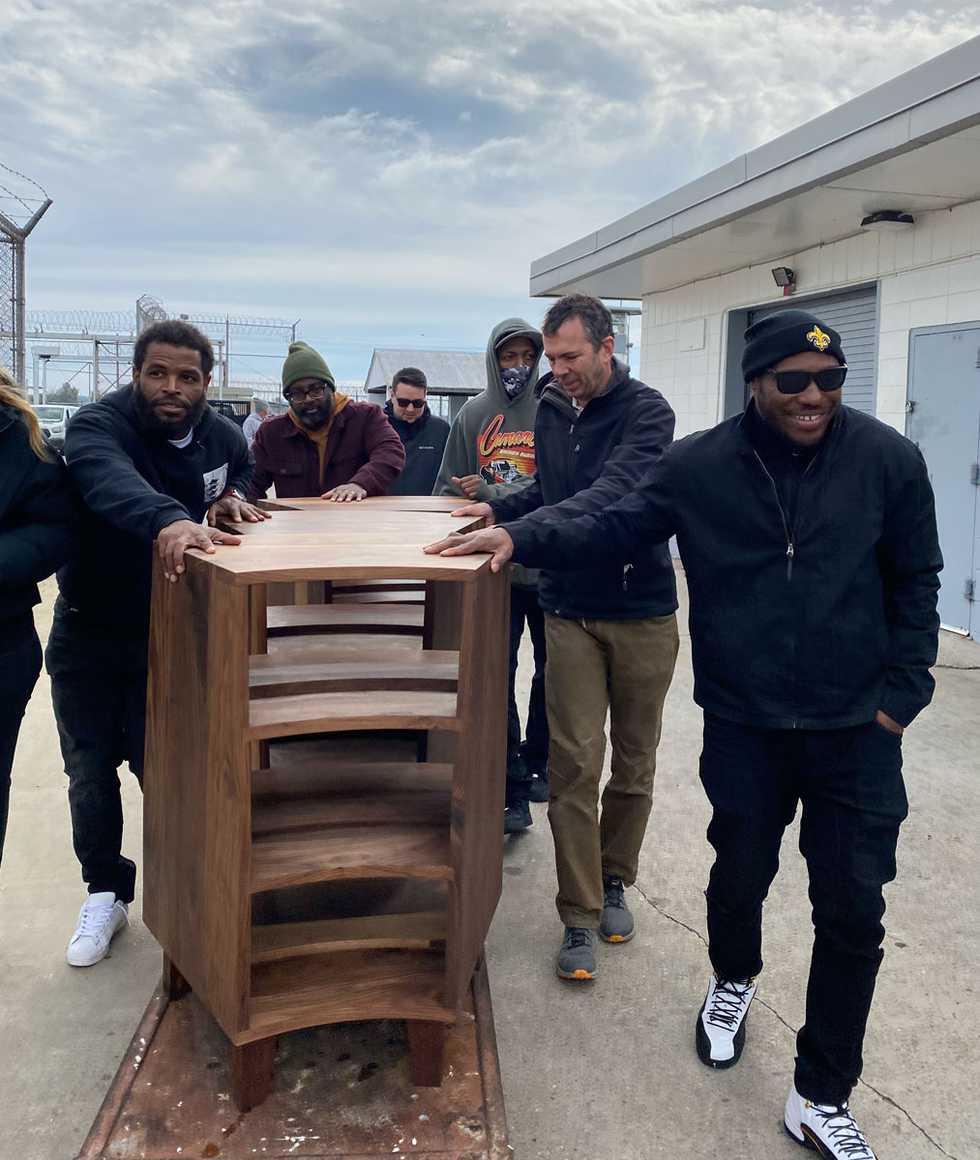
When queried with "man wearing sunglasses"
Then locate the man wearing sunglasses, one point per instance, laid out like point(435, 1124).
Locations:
point(808, 536)
point(423, 434)
point(326, 444)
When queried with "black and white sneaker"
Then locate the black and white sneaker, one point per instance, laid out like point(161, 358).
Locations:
point(827, 1129)
point(720, 1034)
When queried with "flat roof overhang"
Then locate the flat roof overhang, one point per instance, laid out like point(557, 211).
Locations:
point(911, 144)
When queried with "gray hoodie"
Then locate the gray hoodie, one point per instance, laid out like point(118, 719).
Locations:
point(493, 434)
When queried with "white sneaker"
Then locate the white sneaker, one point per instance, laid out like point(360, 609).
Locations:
point(826, 1129)
point(720, 1034)
point(100, 918)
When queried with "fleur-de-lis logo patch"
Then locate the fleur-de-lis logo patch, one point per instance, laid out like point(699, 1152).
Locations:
point(817, 338)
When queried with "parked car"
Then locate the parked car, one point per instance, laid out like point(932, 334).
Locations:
point(54, 419)
point(234, 409)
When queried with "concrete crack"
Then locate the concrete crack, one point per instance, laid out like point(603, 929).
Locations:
point(793, 1030)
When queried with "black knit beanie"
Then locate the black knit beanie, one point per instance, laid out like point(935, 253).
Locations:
point(785, 333)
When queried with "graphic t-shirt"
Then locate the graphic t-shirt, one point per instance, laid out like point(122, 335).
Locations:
point(504, 456)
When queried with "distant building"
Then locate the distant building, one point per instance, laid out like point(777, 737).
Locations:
point(453, 375)
point(872, 213)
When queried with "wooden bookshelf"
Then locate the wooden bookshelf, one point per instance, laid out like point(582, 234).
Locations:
point(299, 890)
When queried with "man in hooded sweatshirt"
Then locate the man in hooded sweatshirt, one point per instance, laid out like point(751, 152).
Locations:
point(326, 444)
point(490, 453)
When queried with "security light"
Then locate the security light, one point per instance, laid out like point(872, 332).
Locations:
point(884, 220)
point(783, 276)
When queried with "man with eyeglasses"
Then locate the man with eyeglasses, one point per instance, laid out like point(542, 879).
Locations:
point(808, 536)
point(326, 444)
point(423, 434)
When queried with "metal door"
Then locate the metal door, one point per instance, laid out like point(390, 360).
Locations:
point(944, 420)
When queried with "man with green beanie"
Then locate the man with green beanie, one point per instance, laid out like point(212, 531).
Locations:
point(326, 444)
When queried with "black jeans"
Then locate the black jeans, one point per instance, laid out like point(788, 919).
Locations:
point(524, 609)
point(98, 686)
point(850, 784)
point(20, 666)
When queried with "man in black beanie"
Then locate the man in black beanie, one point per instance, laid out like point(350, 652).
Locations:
point(808, 536)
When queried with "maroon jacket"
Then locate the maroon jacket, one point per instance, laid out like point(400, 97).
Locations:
point(362, 448)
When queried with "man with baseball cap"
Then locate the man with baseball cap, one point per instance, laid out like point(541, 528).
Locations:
point(807, 531)
point(326, 444)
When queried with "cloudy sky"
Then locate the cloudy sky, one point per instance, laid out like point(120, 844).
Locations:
point(387, 169)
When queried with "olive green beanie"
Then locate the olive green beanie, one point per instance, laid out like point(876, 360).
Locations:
point(303, 362)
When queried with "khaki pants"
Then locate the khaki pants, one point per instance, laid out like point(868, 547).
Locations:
point(624, 666)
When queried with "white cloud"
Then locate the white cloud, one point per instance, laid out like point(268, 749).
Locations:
point(257, 153)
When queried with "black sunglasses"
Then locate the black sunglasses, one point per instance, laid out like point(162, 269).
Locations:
point(418, 404)
point(795, 382)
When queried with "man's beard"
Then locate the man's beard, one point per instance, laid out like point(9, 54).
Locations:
point(170, 428)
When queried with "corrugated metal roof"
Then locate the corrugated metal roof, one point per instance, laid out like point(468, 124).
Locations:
point(456, 370)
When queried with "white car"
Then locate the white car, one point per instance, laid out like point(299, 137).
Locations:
point(54, 418)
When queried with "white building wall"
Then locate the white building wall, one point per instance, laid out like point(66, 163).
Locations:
point(928, 275)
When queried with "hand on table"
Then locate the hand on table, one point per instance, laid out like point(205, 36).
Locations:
point(469, 485)
point(483, 510)
point(493, 540)
point(345, 493)
point(236, 510)
point(174, 540)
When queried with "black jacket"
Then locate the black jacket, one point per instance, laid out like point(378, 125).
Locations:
point(37, 512)
point(133, 484)
point(814, 626)
point(424, 442)
point(585, 462)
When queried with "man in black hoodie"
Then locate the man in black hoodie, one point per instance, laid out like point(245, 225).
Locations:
point(808, 536)
point(423, 434)
point(149, 461)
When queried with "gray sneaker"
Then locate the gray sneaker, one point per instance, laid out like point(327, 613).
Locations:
point(616, 923)
point(576, 959)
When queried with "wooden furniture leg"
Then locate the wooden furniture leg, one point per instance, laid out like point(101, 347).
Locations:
point(252, 1072)
point(426, 1052)
point(174, 985)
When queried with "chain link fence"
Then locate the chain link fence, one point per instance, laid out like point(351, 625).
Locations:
point(8, 300)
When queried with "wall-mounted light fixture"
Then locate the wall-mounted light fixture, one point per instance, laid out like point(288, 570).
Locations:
point(783, 276)
point(887, 220)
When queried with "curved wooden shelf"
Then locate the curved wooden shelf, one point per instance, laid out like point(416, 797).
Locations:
point(307, 619)
point(320, 776)
point(308, 665)
point(283, 940)
point(400, 596)
point(350, 986)
point(384, 795)
point(342, 712)
point(295, 857)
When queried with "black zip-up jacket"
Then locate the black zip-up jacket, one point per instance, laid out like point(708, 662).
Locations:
point(37, 512)
point(586, 461)
point(133, 484)
point(424, 442)
point(811, 625)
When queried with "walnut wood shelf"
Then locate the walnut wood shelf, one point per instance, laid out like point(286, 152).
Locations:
point(352, 985)
point(307, 665)
point(307, 619)
point(424, 930)
point(342, 712)
point(320, 880)
point(294, 857)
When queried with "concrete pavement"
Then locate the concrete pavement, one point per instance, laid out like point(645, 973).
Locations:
point(604, 1071)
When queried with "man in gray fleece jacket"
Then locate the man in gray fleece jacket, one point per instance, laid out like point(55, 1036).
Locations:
point(490, 452)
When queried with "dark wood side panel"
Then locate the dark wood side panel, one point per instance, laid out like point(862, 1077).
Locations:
point(175, 778)
point(478, 781)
